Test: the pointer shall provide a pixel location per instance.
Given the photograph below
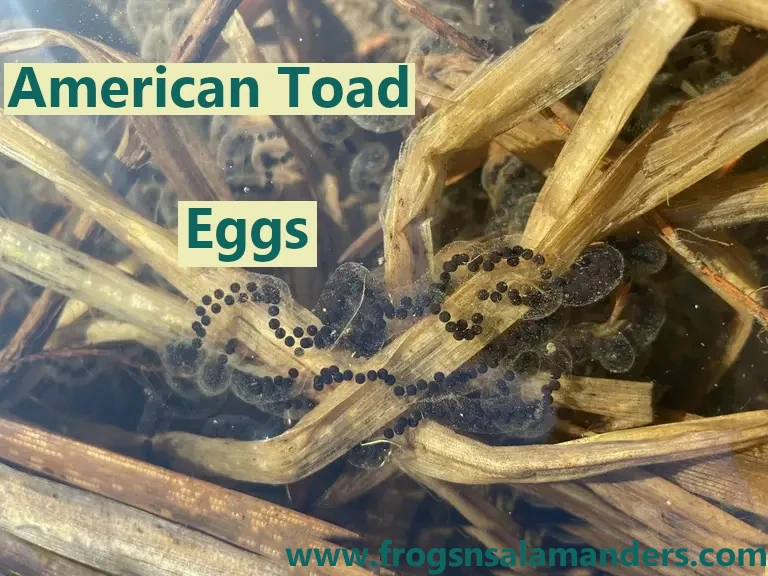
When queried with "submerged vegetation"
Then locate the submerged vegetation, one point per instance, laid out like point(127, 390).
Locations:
point(540, 299)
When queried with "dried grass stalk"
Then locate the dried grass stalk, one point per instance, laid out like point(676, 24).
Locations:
point(176, 147)
point(40, 259)
point(683, 147)
point(440, 453)
point(113, 537)
point(753, 12)
point(21, 558)
point(720, 203)
point(658, 28)
point(521, 83)
point(739, 480)
point(246, 522)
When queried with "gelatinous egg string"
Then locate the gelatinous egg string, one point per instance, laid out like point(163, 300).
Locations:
point(507, 389)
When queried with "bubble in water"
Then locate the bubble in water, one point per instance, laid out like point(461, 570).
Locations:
point(369, 457)
point(594, 275)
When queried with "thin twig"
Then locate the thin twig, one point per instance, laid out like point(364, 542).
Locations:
point(442, 28)
point(719, 283)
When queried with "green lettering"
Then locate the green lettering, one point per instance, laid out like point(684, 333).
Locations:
point(293, 73)
point(114, 87)
point(27, 73)
point(73, 86)
point(217, 92)
point(366, 90)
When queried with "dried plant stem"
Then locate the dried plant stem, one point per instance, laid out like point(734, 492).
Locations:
point(511, 89)
point(227, 515)
point(75, 309)
point(682, 148)
point(441, 28)
point(103, 331)
point(739, 479)
point(734, 200)
point(23, 559)
point(738, 296)
point(38, 258)
point(440, 453)
point(658, 28)
point(753, 12)
point(113, 537)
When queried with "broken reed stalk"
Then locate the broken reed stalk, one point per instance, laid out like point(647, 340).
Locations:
point(440, 453)
point(680, 149)
point(519, 84)
point(656, 31)
point(442, 28)
point(229, 516)
point(732, 201)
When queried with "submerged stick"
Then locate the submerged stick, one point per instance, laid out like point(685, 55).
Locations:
point(442, 28)
point(249, 523)
point(203, 30)
point(703, 264)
